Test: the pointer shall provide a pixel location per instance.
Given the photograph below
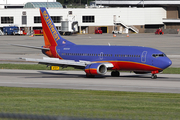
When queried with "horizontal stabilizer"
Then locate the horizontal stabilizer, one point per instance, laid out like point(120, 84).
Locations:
point(30, 46)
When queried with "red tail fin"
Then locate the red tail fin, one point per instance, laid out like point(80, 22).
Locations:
point(51, 34)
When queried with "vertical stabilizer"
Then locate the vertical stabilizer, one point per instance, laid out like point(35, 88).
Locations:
point(51, 34)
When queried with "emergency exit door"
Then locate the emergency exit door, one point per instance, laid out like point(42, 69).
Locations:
point(143, 56)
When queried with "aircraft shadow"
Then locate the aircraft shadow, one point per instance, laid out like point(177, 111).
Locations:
point(47, 74)
point(44, 74)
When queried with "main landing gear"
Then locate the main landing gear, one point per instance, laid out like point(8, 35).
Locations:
point(115, 74)
point(154, 76)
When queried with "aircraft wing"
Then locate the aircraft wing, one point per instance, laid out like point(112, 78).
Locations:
point(64, 63)
point(59, 62)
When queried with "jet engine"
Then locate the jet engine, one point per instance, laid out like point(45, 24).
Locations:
point(96, 69)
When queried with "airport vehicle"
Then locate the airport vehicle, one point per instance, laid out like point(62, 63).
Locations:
point(159, 32)
point(98, 30)
point(68, 27)
point(38, 32)
point(11, 30)
point(116, 32)
point(96, 59)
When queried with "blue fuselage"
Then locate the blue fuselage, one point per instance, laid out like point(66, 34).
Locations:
point(123, 57)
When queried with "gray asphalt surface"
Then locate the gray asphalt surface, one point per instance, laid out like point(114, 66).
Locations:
point(77, 80)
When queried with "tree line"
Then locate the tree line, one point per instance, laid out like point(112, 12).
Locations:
point(80, 2)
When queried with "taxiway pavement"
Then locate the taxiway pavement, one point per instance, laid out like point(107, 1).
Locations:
point(165, 83)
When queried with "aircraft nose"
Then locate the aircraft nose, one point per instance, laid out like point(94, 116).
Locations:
point(170, 62)
point(167, 63)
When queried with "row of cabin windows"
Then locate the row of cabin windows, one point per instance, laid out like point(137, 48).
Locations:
point(105, 55)
point(85, 54)
point(137, 56)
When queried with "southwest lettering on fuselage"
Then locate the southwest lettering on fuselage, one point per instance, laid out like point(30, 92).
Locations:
point(51, 26)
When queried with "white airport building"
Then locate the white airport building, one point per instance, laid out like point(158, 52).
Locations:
point(136, 19)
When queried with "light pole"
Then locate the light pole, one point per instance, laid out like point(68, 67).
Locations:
point(47, 4)
point(6, 4)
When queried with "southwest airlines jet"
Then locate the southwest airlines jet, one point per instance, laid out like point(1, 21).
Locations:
point(95, 59)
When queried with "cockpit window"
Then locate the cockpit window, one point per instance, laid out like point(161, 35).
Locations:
point(159, 55)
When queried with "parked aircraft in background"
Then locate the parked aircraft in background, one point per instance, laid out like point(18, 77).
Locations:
point(96, 59)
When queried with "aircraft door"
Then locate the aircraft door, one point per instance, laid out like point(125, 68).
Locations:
point(101, 56)
point(143, 56)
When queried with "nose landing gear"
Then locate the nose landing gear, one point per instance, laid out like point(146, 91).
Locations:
point(154, 76)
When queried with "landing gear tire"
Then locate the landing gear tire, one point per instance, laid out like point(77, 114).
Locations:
point(115, 74)
point(154, 76)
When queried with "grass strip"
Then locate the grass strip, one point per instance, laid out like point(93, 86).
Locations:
point(44, 67)
point(29, 67)
point(172, 71)
point(90, 104)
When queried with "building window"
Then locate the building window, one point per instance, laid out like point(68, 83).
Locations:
point(7, 20)
point(37, 19)
point(70, 12)
point(56, 19)
point(24, 13)
point(88, 19)
point(24, 20)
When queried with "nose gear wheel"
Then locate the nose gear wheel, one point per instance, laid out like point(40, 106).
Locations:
point(154, 76)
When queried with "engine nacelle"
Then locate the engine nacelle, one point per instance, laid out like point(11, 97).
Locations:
point(96, 69)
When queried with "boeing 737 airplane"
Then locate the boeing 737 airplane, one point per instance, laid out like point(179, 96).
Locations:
point(96, 59)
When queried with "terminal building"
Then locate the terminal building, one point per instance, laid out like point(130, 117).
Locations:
point(136, 16)
point(171, 7)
